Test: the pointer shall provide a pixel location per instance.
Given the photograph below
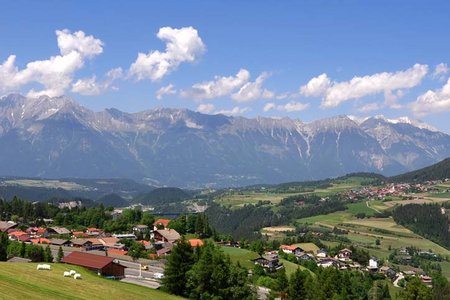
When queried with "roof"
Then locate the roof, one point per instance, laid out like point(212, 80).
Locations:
point(87, 260)
point(195, 242)
point(109, 240)
point(60, 230)
point(164, 222)
point(308, 247)
point(16, 259)
point(17, 233)
point(58, 241)
point(23, 238)
point(289, 247)
point(345, 250)
point(164, 250)
point(169, 234)
point(79, 234)
point(4, 226)
point(141, 226)
point(117, 251)
point(92, 229)
point(41, 241)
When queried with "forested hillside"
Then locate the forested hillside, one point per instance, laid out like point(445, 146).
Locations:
point(437, 171)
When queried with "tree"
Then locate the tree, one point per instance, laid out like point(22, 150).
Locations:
point(136, 250)
point(48, 257)
point(297, 290)
point(35, 253)
point(282, 280)
point(60, 255)
point(23, 249)
point(3, 246)
point(415, 290)
point(178, 264)
point(441, 287)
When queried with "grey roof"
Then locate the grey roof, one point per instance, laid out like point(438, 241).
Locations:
point(16, 259)
point(169, 234)
point(4, 226)
point(59, 241)
point(60, 230)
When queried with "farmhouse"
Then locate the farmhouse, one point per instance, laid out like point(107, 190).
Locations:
point(57, 230)
point(103, 265)
point(291, 249)
point(166, 235)
point(345, 253)
point(87, 244)
point(269, 261)
point(4, 226)
point(161, 224)
point(61, 242)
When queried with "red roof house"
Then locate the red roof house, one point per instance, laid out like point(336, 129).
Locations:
point(103, 265)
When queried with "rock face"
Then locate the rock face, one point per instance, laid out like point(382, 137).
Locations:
point(56, 137)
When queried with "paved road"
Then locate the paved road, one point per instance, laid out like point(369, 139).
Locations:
point(142, 282)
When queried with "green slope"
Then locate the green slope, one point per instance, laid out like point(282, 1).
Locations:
point(441, 170)
point(23, 281)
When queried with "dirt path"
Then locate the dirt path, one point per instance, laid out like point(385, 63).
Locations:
point(367, 203)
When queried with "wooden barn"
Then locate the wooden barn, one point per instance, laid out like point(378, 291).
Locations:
point(102, 265)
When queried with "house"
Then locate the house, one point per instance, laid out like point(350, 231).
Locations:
point(195, 242)
point(140, 228)
point(327, 262)
point(321, 253)
point(345, 254)
point(41, 241)
point(36, 231)
point(373, 264)
point(56, 231)
point(61, 242)
point(92, 231)
point(116, 251)
point(167, 249)
point(4, 226)
point(427, 280)
point(269, 261)
point(161, 224)
point(305, 256)
point(79, 234)
point(87, 244)
point(16, 259)
point(388, 272)
point(146, 244)
point(14, 235)
point(291, 249)
point(111, 243)
point(102, 265)
point(166, 235)
point(121, 236)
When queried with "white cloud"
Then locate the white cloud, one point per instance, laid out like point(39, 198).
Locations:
point(234, 111)
point(253, 90)
point(432, 101)
point(165, 90)
point(218, 87)
point(440, 71)
point(269, 106)
point(182, 45)
point(91, 87)
point(205, 108)
point(370, 107)
point(292, 106)
point(55, 73)
point(317, 86)
point(337, 92)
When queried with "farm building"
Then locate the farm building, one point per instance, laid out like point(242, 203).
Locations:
point(103, 265)
point(166, 235)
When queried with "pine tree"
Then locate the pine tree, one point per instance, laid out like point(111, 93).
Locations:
point(3, 246)
point(48, 257)
point(60, 254)
point(296, 287)
point(179, 263)
point(23, 249)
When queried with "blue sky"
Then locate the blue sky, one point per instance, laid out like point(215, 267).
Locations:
point(302, 59)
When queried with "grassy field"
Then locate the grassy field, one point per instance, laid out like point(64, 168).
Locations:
point(241, 198)
point(23, 281)
point(245, 257)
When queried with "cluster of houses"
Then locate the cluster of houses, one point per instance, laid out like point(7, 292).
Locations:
point(308, 251)
point(162, 238)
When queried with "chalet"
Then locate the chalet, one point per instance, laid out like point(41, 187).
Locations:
point(327, 262)
point(166, 235)
point(322, 253)
point(161, 224)
point(102, 265)
point(111, 243)
point(269, 261)
point(80, 234)
point(305, 256)
point(36, 231)
point(388, 272)
point(140, 228)
point(92, 231)
point(87, 244)
point(345, 253)
point(165, 250)
point(56, 231)
point(4, 226)
point(61, 242)
point(41, 241)
point(291, 249)
point(373, 264)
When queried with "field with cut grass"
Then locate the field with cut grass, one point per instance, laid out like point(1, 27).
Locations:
point(241, 198)
point(420, 200)
point(23, 281)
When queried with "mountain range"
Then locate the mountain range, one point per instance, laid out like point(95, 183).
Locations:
point(57, 138)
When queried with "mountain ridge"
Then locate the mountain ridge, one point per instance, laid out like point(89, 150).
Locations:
point(57, 137)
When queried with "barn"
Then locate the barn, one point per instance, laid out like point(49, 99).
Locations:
point(102, 265)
